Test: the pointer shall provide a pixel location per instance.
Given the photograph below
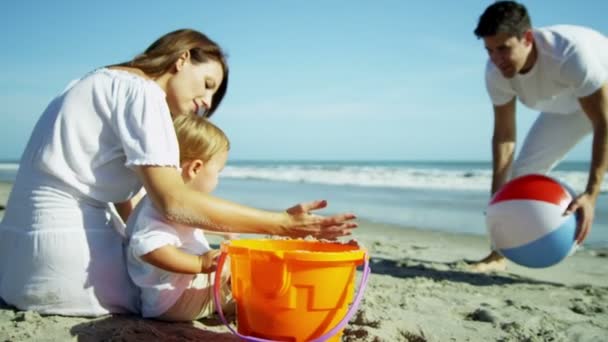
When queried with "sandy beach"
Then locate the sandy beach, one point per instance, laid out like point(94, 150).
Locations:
point(420, 290)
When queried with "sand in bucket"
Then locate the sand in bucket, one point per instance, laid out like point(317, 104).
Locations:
point(293, 290)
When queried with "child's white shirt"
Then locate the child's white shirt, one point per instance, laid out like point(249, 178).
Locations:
point(146, 232)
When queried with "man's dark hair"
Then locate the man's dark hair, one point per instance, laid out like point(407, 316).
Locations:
point(503, 17)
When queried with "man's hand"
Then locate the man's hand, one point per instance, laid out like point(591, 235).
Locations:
point(584, 207)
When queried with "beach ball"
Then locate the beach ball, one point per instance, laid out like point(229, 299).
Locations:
point(526, 222)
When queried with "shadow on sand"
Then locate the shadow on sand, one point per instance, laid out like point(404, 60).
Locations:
point(450, 271)
point(132, 328)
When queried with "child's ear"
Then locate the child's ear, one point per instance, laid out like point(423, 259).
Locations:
point(194, 167)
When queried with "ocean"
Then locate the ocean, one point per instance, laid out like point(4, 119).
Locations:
point(445, 196)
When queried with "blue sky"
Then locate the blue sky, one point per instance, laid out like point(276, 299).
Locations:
point(314, 79)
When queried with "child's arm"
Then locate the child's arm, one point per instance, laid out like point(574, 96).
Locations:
point(172, 259)
point(124, 209)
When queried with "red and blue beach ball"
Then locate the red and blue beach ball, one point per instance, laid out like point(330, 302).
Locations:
point(526, 222)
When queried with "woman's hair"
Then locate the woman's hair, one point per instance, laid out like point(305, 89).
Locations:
point(503, 17)
point(166, 50)
point(198, 138)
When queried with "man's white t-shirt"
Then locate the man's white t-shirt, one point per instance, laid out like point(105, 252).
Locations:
point(146, 232)
point(572, 63)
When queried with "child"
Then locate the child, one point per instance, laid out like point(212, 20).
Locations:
point(172, 264)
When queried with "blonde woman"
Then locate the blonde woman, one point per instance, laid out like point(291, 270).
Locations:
point(98, 142)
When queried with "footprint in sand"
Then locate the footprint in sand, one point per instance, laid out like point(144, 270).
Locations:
point(482, 315)
point(587, 309)
point(362, 319)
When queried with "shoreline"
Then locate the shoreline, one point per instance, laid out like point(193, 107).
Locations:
point(471, 226)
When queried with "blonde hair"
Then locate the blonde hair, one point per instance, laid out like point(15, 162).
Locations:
point(160, 57)
point(198, 138)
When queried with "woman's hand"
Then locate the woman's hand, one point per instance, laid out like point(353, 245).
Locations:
point(302, 223)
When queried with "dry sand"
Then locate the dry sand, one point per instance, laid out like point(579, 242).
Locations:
point(420, 290)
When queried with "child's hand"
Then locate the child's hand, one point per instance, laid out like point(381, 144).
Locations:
point(208, 261)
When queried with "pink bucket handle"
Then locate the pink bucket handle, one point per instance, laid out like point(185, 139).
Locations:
point(349, 314)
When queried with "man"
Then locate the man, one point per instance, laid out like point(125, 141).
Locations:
point(561, 71)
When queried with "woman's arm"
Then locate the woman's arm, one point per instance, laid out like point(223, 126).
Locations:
point(172, 259)
point(178, 203)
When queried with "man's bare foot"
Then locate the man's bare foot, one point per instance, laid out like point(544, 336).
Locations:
point(493, 262)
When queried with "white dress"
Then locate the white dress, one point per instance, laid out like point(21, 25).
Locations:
point(61, 248)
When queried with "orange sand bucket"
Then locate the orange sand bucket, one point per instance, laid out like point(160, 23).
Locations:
point(292, 290)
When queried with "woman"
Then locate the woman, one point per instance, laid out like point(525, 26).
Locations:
point(97, 143)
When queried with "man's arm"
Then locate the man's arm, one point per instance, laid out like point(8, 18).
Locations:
point(503, 143)
point(596, 108)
